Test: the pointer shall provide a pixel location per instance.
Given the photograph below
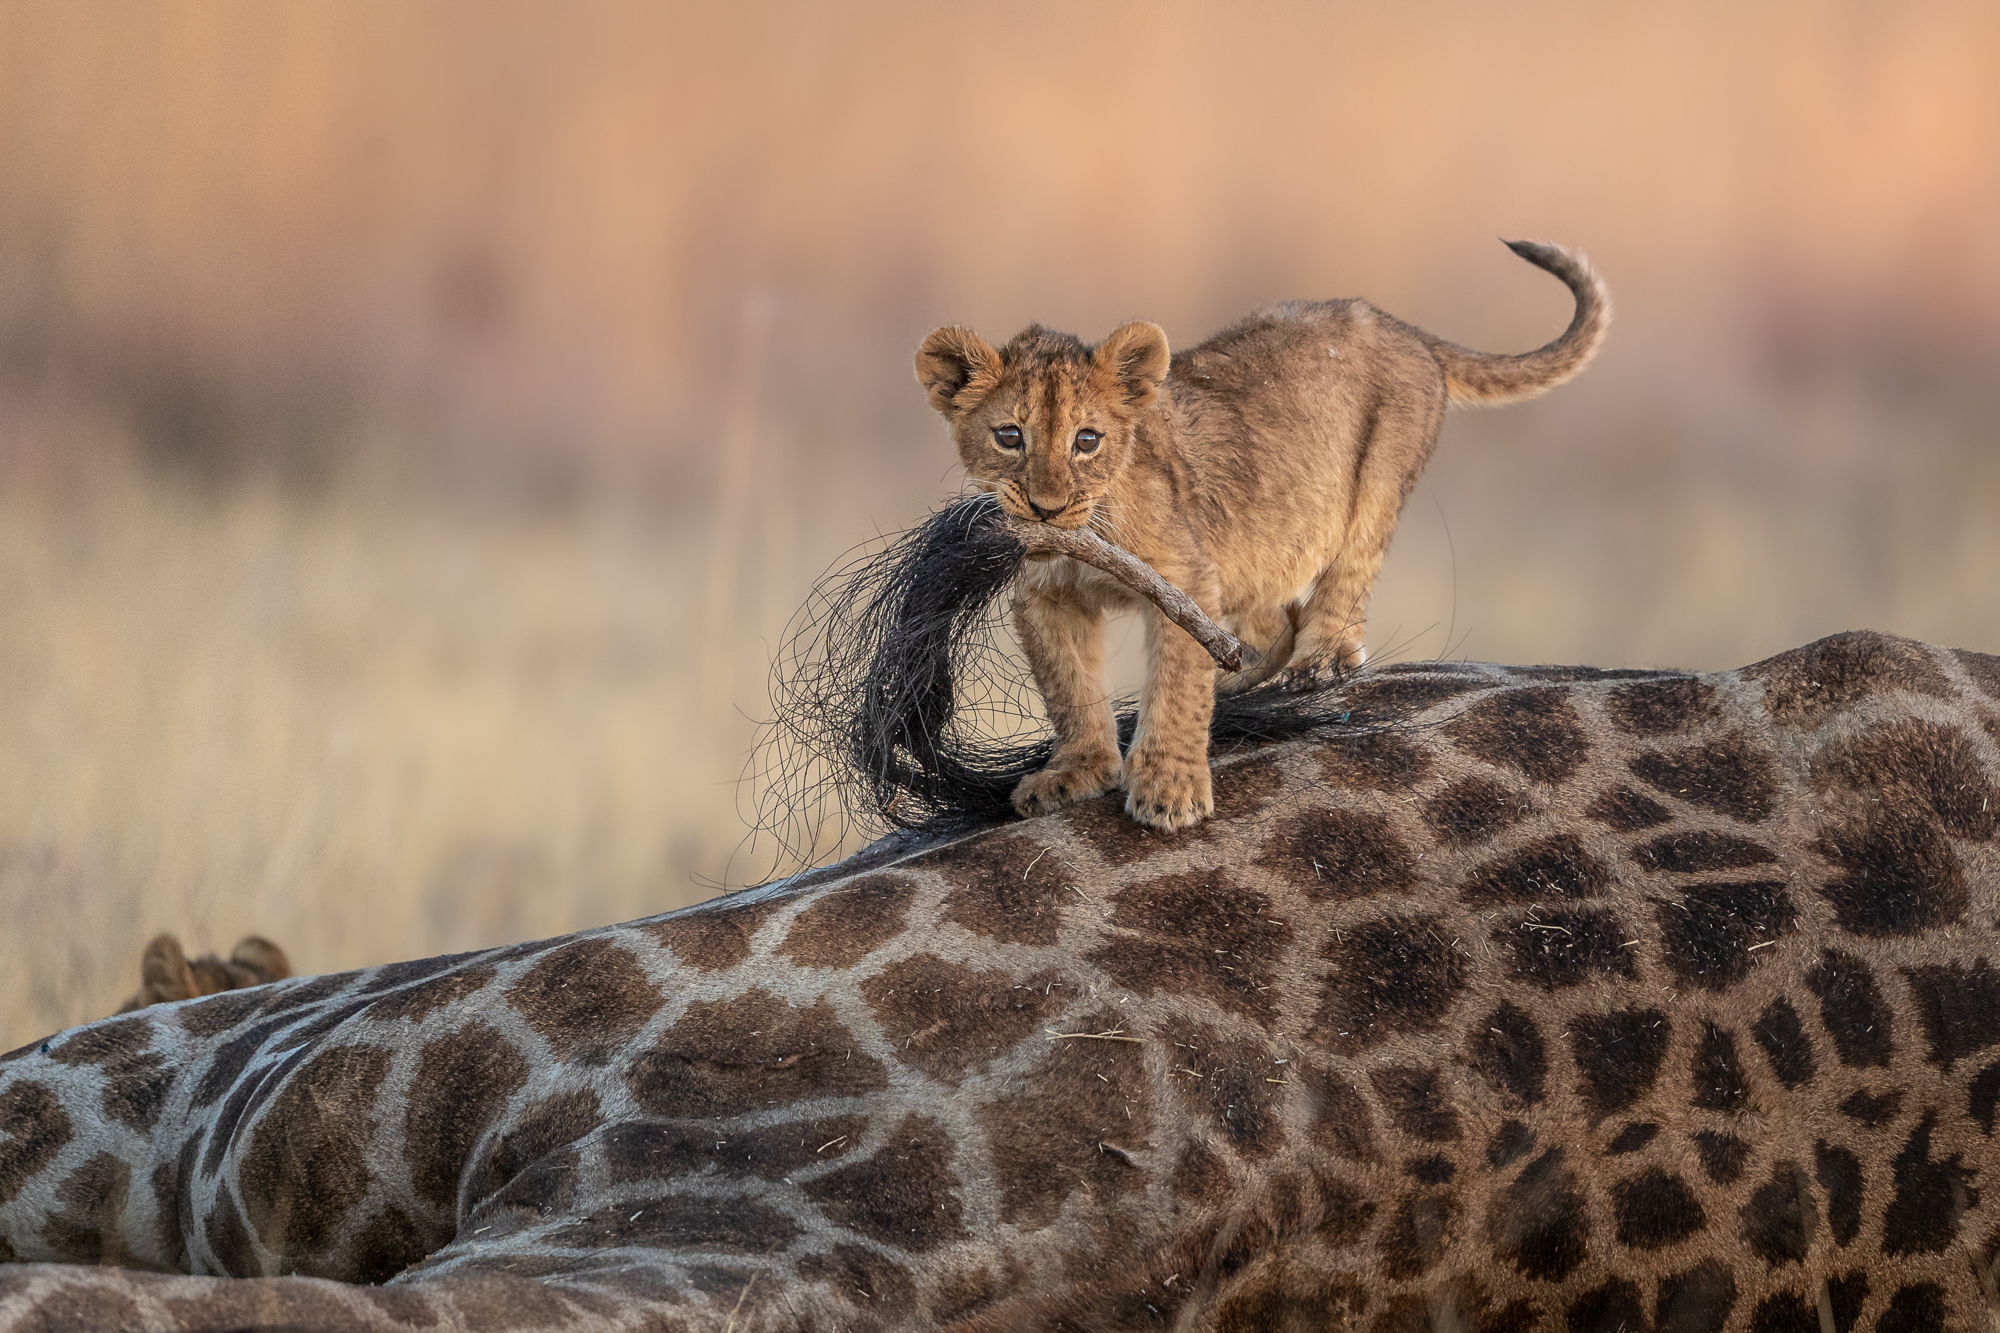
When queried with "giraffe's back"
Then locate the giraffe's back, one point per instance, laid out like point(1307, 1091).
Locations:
point(1533, 999)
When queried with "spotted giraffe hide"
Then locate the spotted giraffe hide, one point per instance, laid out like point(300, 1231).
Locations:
point(1531, 999)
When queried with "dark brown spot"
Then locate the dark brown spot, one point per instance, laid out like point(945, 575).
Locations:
point(1618, 1054)
point(426, 997)
point(88, 1227)
point(872, 1281)
point(903, 1195)
point(1839, 1174)
point(1567, 948)
point(1372, 761)
point(1548, 870)
point(1708, 938)
point(36, 1128)
point(1697, 1301)
point(1655, 1210)
point(463, 1081)
point(1632, 1138)
point(1779, 1220)
point(1341, 1120)
point(747, 1053)
point(206, 1018)
point(1507, 1051)
point(1418, 1233)
point(1197, 935)
point(103, 1043)
point(1902, 876)
point(1983, 1098)
point(1846, 1294)
point(1534, 731)
point(1723, 1156)
point(1805, 686)
point(1871, 1110)
point(1471, 812)
point(228, 1239)
point(549, 1124)
point(1607, 1308)
point(394, 976)
point(1958, 1006)
point(308, 1164)
point(1417, 1101)
point(1917, 1308)
point(1913, 767)
point(847, 923)
point(1726, 776)
point(1783, 1037)
point(386, 1246)
point(1046, 1130)
point(1103, 826)
point(681, 1222)
point(1627, 811)
point(948, 1020)
point(1393, 975)
point(1931, 1197)
point(1229, 1085)
point(1785, 1312)
point(1005, 886)
point(1853, 1010)
point(585, 999)
point(1984, 668)
point(1379, 700)
point(136, 1088)
point(1288, 1299)
point(1340, 854)
point(1538, 1223)
point(713, 936)
point(1697, 850)
point(1200, 1177)
point(1717, 1074)
point(1661, 707)
point(1511, 1142)
point(1436, 1169)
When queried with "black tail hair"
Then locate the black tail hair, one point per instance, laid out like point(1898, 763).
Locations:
point(890, 668)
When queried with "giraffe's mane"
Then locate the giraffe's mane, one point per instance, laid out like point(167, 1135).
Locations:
point(898, 698)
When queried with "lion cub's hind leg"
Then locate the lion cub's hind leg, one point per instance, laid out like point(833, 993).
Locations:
point(1333, 623)
point(1064, 640)
point(1273, 632)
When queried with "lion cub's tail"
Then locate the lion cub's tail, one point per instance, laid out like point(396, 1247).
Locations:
point(1484, 377)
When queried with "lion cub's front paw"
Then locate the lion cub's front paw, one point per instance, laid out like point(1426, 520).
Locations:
point(1167, 795)
point(1065, 782)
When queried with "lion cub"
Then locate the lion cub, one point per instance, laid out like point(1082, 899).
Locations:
point(1261, 471)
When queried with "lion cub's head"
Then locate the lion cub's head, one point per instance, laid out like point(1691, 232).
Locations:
point(1045, 423)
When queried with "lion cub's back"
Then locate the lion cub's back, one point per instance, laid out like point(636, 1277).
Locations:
point(1285, 359)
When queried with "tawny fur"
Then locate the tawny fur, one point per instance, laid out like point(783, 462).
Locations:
point(1261, 471)
point(166, 974)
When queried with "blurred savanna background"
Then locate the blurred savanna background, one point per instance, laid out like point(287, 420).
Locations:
point(418, 421)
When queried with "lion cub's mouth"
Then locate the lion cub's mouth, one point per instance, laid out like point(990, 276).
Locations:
point(1072, 516)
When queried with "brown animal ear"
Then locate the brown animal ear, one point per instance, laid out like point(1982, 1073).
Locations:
point(265, 959)
point(1135, 359)
point(164, 973)
point(958, 367)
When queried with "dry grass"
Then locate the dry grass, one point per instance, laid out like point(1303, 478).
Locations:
point(418, 420)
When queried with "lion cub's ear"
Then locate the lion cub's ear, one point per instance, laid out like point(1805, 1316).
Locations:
point(1133, 361)
point(958, 367)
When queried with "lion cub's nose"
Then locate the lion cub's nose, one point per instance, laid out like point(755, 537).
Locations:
point(1046, 513)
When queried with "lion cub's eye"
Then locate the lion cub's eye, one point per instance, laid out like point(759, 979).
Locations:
point(1007, 437)
point(1086, 441)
